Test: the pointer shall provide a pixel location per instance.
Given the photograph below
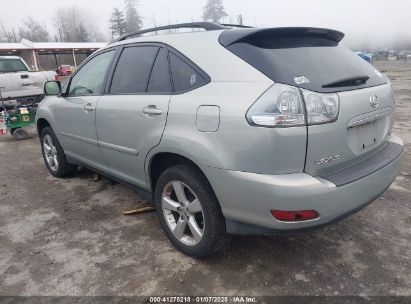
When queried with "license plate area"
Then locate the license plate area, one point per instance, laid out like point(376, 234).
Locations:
point(367, 135)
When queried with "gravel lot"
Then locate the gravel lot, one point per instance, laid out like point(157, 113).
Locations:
point(69, 237)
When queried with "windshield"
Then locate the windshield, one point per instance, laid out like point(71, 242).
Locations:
point(12, 65)
point(312, 63)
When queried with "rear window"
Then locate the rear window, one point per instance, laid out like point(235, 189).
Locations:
point(12, 65)
point(185, 77)
point(314, 63)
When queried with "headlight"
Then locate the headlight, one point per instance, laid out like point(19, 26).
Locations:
point(321, 108)
point(279, 106)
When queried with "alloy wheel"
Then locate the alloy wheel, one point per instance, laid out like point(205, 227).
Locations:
point(50, 152)
point(183, 213)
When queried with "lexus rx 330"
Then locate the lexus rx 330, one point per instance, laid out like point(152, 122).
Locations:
point(228, 131)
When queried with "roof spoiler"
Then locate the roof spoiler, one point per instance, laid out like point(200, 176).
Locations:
point(230, 37)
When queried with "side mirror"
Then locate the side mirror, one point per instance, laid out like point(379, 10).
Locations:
point(52, 88)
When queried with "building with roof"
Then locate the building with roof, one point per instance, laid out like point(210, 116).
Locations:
point(49, 55)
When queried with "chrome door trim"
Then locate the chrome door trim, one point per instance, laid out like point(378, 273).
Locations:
point(117, 148)
point(80, 138)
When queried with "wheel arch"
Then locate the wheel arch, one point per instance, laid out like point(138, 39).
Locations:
point(41, 124)
point(161, 161)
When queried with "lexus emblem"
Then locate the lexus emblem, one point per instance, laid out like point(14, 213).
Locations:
point(374, 101)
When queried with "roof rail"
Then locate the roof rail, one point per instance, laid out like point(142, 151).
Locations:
point(236, 25)
point(208, 26)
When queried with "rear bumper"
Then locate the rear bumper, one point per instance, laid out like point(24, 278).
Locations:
point(247, 198)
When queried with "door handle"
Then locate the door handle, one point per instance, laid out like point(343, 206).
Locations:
point(89, 107)
point(152, 110)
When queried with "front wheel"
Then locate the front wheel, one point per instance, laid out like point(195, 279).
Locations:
point(189, 212)
point(53, 155)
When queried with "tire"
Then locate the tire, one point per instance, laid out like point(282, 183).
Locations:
point(12, 130)
point(204, 232)
point(54, 156)
point(19, 134)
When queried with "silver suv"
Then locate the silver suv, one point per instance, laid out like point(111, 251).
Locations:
point(228, 131)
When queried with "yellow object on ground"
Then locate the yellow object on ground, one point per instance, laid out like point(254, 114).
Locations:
point(140, 210)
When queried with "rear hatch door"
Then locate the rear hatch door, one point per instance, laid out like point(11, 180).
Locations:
point(314, 60)
point(361, 129)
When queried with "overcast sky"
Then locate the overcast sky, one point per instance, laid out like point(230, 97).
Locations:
point(377, 23)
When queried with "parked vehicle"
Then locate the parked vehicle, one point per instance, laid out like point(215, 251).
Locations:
point(365, 56)
point(65, 70)
point(18, 84)
point(392, 55)
point(228, 131)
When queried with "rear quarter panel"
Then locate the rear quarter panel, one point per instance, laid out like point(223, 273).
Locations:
point(235, 145)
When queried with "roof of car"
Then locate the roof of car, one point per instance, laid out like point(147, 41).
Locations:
point(9, 57)
point(233, 33)
point(208, 49)
point(168, 37)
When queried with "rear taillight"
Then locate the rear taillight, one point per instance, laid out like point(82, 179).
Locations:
point(280, 106)
point(56, 77)
point(321, 108)
point(287, 106)
point(294, 216)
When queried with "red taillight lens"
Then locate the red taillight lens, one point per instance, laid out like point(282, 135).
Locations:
point(56, 77)
point(294, 216)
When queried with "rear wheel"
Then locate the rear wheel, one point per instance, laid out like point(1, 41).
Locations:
point(54, 156)
point(19, 133)
point(189, 212)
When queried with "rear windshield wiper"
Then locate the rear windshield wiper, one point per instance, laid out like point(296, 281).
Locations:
point(346, 82)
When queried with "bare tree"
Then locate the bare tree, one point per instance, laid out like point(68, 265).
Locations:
point(133, 19)
point(34, 31)
point(240, 20)
point(74, 25)
point(214, 11)
point(7, 35)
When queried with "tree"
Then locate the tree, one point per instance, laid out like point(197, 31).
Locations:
point(75, 25)
point(214, 11)
point(34, 31)
point(118, 25)
point(82, 33)
point(240, 19)
point(7, 35)
point(133, 20)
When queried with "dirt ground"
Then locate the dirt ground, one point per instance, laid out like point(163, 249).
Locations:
point(69, 237)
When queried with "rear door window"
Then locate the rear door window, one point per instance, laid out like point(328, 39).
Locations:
point(133, 70)
point(185, 77)
point(159, 81)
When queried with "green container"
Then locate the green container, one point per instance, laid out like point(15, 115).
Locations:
point(15, 121)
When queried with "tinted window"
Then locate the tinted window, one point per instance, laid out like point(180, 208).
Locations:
point(319, 60)
point(12, 65)
point(160, 76)
point(184, 76)
point(133, 70)
point(90, 78)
